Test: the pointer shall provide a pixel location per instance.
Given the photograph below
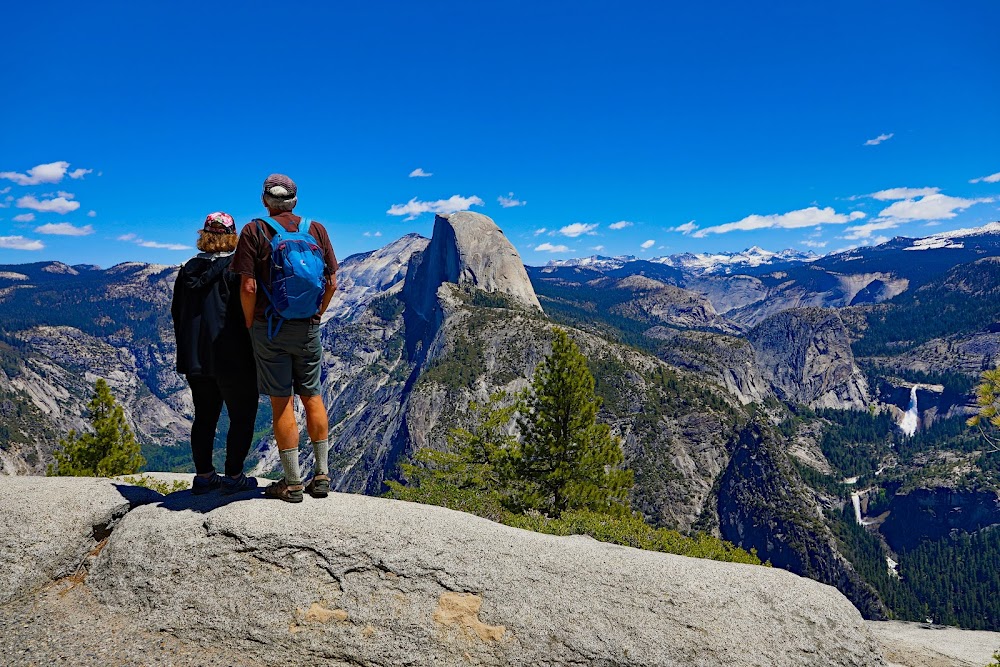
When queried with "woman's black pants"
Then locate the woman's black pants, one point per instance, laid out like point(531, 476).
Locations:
point(240, 398)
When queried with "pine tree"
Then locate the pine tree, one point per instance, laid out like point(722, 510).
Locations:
point(109, 451)
point(567, 459)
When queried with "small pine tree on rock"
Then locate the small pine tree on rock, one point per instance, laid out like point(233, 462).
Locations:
point(110, 450)
point(568, 460)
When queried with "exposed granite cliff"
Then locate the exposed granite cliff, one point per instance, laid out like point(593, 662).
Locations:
point(930, 514)
point(805, 354)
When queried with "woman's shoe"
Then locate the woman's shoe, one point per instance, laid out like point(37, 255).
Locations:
point(238, 485)
point(202, 485)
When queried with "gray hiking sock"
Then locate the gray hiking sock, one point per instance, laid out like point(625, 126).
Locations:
point(321, 448)
point(290, 462)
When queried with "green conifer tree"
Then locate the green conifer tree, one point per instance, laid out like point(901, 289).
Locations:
point(109, 451)
point(568, 460)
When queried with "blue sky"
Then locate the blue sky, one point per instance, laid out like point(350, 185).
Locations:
point(711, 127)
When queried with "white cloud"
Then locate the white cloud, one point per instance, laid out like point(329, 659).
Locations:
point(903, 193)
point(806, 217)
point(813, 244)
point(648, 244)
point(20, 243)
point(415, 207)
point(64, 229)
point(932, 224)
point(376, 234)
point(91, 214)
point(24, 217)
point(57, 205)
point(865, 231)
point(598, 248)
point(992, 178)
point(879, 139)
point(420, 173)
point(931, 207)
point(5, 190)
point(510, 201)
point(686, 228)
point(541, 230)
point(52, 172)
point(621, 224)
point(548, 247)
point(79, 173)
point(577, 229)
point(133, 238)
point(65, 195)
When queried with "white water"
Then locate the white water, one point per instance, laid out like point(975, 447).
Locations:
point(856, 501)
point(893, 567)
point(912, 416)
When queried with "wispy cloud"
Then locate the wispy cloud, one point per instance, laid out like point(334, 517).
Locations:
point(510, 201)
point(415, 207)
point(879, 139)
point(57, 205)
point(91, 214)
point(806, 217)
point(20, 243)
point(24, 217)
point(992, 178)
point(686, 228)
point(646, 245)
point(132, 238)
point(621, 224)
point(541, 230)
point(813, 244)
point(903, 193)
point(64, 229)
point(5, 190)
point(52, 172)
point(376, 234)
point(598, 248)
point(578, 229)
point(548, 247)
point(931, 207)
point(420, 173)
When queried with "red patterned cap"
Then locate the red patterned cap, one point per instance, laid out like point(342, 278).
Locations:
point(220, 223)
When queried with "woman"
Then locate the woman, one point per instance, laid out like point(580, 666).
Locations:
point(215, 354)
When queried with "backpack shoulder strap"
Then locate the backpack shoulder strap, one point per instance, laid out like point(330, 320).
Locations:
point(304, 225)
point(277, 229)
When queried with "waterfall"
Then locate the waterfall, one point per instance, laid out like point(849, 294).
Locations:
point(912, 416)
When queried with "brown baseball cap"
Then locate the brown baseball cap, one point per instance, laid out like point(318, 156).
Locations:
point(279, 186)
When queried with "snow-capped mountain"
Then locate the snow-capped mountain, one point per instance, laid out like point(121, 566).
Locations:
point(697, 263)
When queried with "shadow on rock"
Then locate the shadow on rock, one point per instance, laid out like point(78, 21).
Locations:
point(185, 500)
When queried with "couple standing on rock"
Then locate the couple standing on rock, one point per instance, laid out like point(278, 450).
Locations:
point(246, 316)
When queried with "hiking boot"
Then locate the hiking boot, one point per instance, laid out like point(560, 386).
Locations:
point(238, 485)
point(202, 485)
point(318, 486)
point(282, 490)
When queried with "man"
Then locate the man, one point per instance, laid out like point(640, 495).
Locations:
point(289, 362)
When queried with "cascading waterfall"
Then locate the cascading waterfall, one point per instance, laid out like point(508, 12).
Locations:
point(912, 416)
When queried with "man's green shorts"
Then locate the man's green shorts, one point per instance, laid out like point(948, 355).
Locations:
point(290, 362)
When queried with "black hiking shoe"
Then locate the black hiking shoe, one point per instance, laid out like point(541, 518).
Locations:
point(203, 485)
point(238, 485)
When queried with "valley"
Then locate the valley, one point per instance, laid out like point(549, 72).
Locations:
point(746, 389)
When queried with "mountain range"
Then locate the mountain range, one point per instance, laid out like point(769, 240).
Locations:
point(754, 392)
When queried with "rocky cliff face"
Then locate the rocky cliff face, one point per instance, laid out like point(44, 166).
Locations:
point(805, 355)
point(765, 506)
point(467, 249)
point(933, 513)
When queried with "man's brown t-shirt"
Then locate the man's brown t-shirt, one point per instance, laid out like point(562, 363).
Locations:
point(253, 254)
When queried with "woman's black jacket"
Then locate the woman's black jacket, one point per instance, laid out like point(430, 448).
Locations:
point(212, 338)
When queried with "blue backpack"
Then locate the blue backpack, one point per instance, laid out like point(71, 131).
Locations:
point(298, 276)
